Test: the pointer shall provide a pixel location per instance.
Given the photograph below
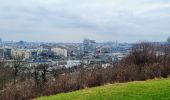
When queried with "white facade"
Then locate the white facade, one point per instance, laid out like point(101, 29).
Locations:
point(59, 52)
point(72, 63)
point(19, 52)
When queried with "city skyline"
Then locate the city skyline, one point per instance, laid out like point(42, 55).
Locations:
point(72, 21)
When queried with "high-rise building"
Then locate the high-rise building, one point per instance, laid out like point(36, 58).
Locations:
point(89, 46)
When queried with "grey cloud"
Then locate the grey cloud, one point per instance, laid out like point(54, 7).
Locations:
point(100, 18)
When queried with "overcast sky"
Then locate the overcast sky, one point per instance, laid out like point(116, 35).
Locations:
point(74, 20)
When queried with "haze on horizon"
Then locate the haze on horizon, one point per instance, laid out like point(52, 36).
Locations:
point(74, 20)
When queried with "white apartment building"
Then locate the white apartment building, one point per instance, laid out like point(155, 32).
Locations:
point(20, 52)
point(59, 52)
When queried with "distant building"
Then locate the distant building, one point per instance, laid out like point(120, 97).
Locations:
point(8, 53)
point(72, 63)
point(27, 55)
point(16, 52)
point(44, 53)
point(59, 52)
point(1, 53)
point(21, 52)
point(106, 49)
point(89, 46)
point(34, 54)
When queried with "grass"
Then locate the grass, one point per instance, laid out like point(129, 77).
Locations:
point(158, 89)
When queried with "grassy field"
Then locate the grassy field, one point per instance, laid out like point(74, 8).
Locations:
point(158, 89)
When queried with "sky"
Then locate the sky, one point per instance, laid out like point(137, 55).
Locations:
point(74, 20)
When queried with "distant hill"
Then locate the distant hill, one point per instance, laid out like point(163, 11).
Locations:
point(158, 89)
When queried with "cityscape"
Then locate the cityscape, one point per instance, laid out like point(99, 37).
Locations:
point(64, 54)
point(84, 49)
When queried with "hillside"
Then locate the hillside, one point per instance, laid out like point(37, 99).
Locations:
point(158, 89)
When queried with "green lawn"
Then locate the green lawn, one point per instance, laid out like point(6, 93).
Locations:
point(158, 89)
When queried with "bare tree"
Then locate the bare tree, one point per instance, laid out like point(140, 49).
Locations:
point(3, 73)
point(39, 73)
point(56, 72)
point(44, 69)
point(17, 65)
point(36, 75)
point(142, 53)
